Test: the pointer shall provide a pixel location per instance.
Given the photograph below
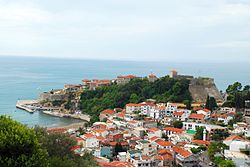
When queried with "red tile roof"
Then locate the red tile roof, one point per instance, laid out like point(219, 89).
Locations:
point(201, 142)
point(196, 116)
point(108, 112)
point(128, 77)
point(181, 151)
point(178, 113)
point(133, 104)
point(234, 137)
point(153, 129)
point(164, 143)
point(176, 130)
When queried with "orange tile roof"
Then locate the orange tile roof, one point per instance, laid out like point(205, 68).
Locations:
point(182, 151)
point(201, 142)
point(144, 157)
point(206, 110)
point(164, 143)
point(234, 137)
point(196, 116)
point(128, 77)
point(168, 157)
point(153, 129)
point(88, 136)
point(133, 104)
point(178, 113)
point(100, 138)
point(154, 138)
point(176, 130)
point(120, 114)
point(98, 130)
point(108, 112)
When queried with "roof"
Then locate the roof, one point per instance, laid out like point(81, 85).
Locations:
point(133, 104)
point(98, 130)
point(196, 116)
point(154, 138)
point(178, 113)
point(75, 147)
point(181, 151)
point(206, 110)
point(201, 142)
point(176, 130)
point(88, 136)
point(164, 143)
point(153, 129)
point(127, 77)
point(108, 111)
point(234, 137)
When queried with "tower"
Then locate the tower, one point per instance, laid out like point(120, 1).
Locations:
point(173, 74)
point(204, 134)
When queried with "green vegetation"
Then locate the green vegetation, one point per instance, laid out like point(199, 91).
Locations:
point(237, 95)
point(22, 146)
point(211, 103)
point(227, 163)
point(199, 133)
point(215, 150)
point(19, 145)
point(178, 124)
point(137, 90)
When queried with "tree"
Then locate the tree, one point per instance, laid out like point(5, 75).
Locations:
point(134, 98)
point(59, 144)
point(199, 133)
point(227, 163)
point(19, 145)
point(118, 148)
point(188, 104)
point(178, 124)
point(211, 103)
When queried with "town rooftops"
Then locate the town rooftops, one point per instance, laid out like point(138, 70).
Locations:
point(153, 129)
point(196, 116)
point(164, 143)
point(127, 77)
point(181, 151)
point(178, 113)
point(234, 137)
point(201, 142)
point(176, 130)
point(108, 112)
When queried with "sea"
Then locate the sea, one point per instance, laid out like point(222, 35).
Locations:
point(24, 78)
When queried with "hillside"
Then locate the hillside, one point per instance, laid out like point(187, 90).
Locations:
point(162, 90)
point(200, 88)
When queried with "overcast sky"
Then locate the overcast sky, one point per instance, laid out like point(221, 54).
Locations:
point(161, 30)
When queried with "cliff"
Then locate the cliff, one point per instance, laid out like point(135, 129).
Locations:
point(200, 88)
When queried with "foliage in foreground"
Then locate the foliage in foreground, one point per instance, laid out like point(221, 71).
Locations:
point(21, 146)
point(137, 90)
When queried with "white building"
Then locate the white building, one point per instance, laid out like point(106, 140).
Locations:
point(90, 141)
point(205, 112)
point(170, 109)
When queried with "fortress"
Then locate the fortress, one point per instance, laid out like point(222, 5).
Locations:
point(200, 87)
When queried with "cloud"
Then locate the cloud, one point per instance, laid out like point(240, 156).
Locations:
point(115, 29)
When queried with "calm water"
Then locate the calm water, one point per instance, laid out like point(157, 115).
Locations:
point(25, 78)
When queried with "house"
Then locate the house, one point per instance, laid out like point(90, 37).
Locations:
point(171, 130)
point(90, 141)
point(146, 107)
point(145, 147)
point(232, 138)
point(170, 109)
point(121, 80)
point(160, 143)
point(205, 112)
point(95, 83)
point(152, 77)
point(196, 117)
point(132, 108)
point(237, 149)
point(72, 87)
point(105, 114)
point(179, 116)
point(157, 112)
point(100, 132)
point(184, 157)
point(154, 132)
point(122, 156)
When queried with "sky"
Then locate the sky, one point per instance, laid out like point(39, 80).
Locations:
point(149, 30)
